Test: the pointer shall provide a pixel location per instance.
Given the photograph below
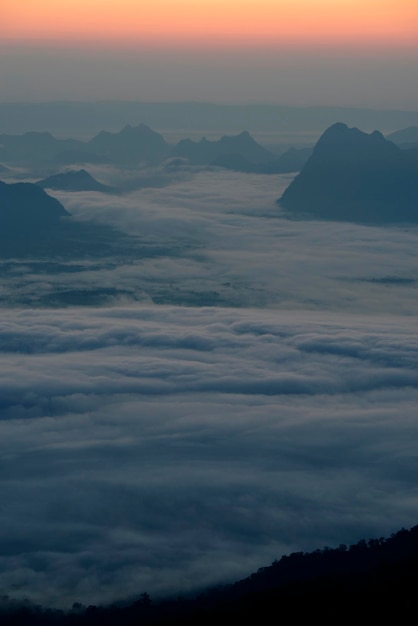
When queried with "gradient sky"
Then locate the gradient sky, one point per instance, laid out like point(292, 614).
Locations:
point(206, 20)
point(292, 51)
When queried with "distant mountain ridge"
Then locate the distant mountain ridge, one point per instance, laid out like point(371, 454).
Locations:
point(73, 180)
point(129, 146)
point(135, 145)
point(70, 117)
point(404, 136)
point(205, 152)
point(33, 145)
point(141, 145)
point(355, 176)
point(132, 144)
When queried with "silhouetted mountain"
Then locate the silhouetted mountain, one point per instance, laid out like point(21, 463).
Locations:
point(404, 136)
point(206, 152)
point(33, 146)
point(406, 139)
point(290, 161)
point(26, 206)
point(376, 579)
point(353, 176)
point(35, 226)
point(73, 180)
point(79, 156)
point(131, 145)
point(236, 163)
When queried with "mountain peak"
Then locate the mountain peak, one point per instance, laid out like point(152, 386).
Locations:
point(349, 140)
point(73, 180)
point(355, 176)
point(242, 148)
point(141, 129)
point(130, 145)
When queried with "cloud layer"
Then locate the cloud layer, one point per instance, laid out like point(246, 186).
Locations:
point(216, 237)
point(161, 448)
point(166, 448)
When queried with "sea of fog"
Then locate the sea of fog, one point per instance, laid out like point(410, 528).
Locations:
point(247, 388)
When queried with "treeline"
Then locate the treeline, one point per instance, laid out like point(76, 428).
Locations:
point(375, 579)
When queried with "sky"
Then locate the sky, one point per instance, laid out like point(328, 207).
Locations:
point(207, 21)
point(279, 51)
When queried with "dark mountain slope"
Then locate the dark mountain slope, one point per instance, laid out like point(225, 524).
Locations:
point(353, 176)
point(24, 204)
point(374, 580)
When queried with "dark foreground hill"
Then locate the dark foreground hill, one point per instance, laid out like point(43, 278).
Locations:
point(24, 206)
point(34, 225)
point(372, 580)
point(353, 176)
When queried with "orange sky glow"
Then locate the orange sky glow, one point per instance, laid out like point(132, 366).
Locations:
point(206, 22)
